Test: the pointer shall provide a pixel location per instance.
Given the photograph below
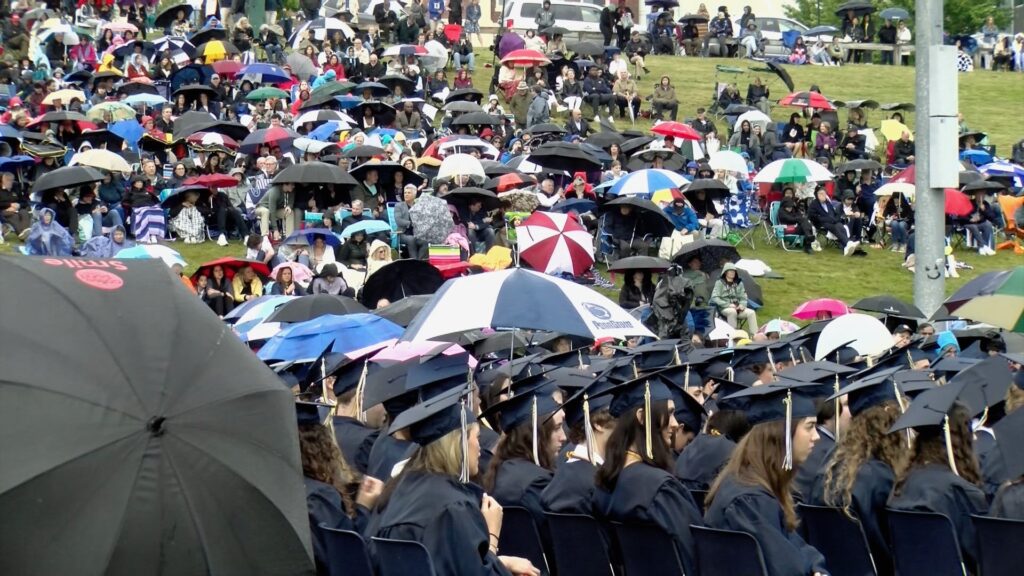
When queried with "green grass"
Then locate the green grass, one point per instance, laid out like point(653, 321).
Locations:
point(992, 102)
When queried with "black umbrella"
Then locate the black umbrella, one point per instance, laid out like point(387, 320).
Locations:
point(500, 344)
point(782, 74)
point(710, 251)
point(101, 76)
point(640, 263)
point(401, 279)
point(906, 106)
point(563, 156)
point(985, 384)
point(192, 92)
point(67, 177)
point(633, 144)
point(695, 18)
point(135, 88)
point(176, 197)
point(544, 128)
point(393, 80)
point(462, 106)
point(192, 122)
point(859, 164)
point(468, 194)
point(968, 176)
point(377, 90)
point(126, 453)
point(587, 49)
point(314, 173)
point(858, 7)
point(168, 15)
point(403, 311)
point(476, 119)
point(376, 106)
point(386, 172)
point(712, 188)
point(650, 219)
point(606, 139)
point(319, 99)
point(671, 160)
point(363, 151)
point(984, 185)
point(888, 305)
point(209, 34)
point(464, 94)
point(308, 307)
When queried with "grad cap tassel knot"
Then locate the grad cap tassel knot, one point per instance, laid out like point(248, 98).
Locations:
point(647, 419)
point(787, 462)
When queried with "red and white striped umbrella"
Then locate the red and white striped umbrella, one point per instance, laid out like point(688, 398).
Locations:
point(205, 139)
point(552, 243)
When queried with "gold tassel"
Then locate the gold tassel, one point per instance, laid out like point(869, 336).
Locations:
point(984, 417)
point(647, 419)
point(533, 414)
point(949, 445)
point(586, 429)
point(730, 374)
point(803, 355)
point(903, 410)
point(360, 390)
point(675, 356)
point(636, 373)
point(910, 360)
point(787, 462)
point(771, 361)
point(464, 473)
point(580, 358)
point(839, 406)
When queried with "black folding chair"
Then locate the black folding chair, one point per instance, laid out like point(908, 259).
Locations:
point(402, 557)
point(741, 549)
point(924, 544)
point(579, 545)
point(346, 553)
point(647, 549)
point(519, 537)
point(999, 546)
point(839, 538)
point(698, 498)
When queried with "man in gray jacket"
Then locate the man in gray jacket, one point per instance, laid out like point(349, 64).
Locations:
point(278, 201)
point(540, 110)
point(417, 248)
point(545, 18)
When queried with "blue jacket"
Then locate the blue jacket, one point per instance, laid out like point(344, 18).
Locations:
point(435, 8)
point(685, 221)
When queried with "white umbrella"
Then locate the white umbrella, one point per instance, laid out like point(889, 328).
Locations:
point(890, 188)
point(459, 144)
point(729, 161)
point(793, 170)
point(461, 165)
point(438, 57)
point(324, 116)
point(754, 117)
point(865, 334)
point(311, 146)
point(722, 330)
point(102, 159)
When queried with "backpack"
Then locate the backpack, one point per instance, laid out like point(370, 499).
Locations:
point(1018, 153)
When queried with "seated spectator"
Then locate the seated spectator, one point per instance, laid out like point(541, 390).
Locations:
point(637, 289)
point(852, 215)
point(14, 212)
point(285, 284)
point(903, 151)
point(898, 215)
point(825, 216)
point(636, 48)
point(980, 223)
point(836, 52)
point(690, 36)
point(799, 53)
point(626, 94)
point(757, 96)
point(328, 281)
point(577, 126)
point(478, 225)
point(621, 226)
point(682, 216)
point(664, 100)
point(853, 144)
point(708, 215)
point(793, 137)
point(187, 222)
point(819, 54)
point(217, 292)
point(730, 298)
point(719, 31)
point(48, 238)
point(752, 40)
point(796, 222)
point(597, 93)
point(824, 142)
point(746, 140)
point(246, 285)
point(354, 251)
point(462, 54)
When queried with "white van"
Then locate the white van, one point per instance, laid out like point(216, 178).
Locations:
point(581, 19)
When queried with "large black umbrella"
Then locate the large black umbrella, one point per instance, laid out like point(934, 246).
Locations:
point(314, 173)
point(712, 189)
point(464, 94)
point(783, 75)
point(377, 90)
point(67, 177)
point(462, 106)
point(651, 263)
point(858, 164)
point(167, 16)
point(858, 7)
point(175, 198)
point(633, 144)
point(129, 439)
point(192, 92)
point(401, 279)
point(563, 156)
point(136, 88)
point(671, 160)
point(984, 185)
point(308, 307)
point(209, 34)
point(544, 128)
point(888, 305)
point(386, 172)
point(393, 80)
point(192, 122)
point(649, 218)
point(363, 151)
point(711, 251)
point(468, 194)
point(403, 311)
point(606, 139)
point(476, 119)
point(587, 49)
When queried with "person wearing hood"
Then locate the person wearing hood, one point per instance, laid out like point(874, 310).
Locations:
point(682, 216)
point(730, 298)
point(13, 209)
point(947, 345)
point(539, 111)
point(478, 225)
point(63, 209)
point(48, 238)
point(791, 217)
point(380, 256)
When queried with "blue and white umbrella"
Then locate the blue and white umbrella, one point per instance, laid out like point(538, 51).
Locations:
point(308, 340)
point(143, 251)
point(255, 310)
point(1004, 169)
point(522, 299)
point(145, 100)
point(262, 72)
point(367, 227)
point(643, 183)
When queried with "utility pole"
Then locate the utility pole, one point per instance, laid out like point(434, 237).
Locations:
point(937, 162)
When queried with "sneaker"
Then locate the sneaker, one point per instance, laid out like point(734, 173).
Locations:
point(24, 234)
point(222, 240)
point(903, 249)
point(850, 247)
point(816, 246)
point(611, 119)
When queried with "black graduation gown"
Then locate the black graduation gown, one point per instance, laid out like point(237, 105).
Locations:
point(647, 494)
point(571, 490)
point(993, 471)
point(385, 453)
point(813, 465)
point(520, 482)
point(935, 488)
point(488, 442)
point(869, 496)
point(443, 515)
point(355, 440)
point(756, 511)
point(1009, 502)
point(702, 459)
point(325, 507)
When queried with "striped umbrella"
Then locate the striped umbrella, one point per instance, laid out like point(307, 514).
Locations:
point(174, 43)
point(552, 243)
point(169, 256)
point(201, 140)
point(256, 309)
point(646, 182)
point(793, 170)
point(994, 298)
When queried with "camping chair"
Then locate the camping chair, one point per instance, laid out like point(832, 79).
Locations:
point(647, 549)
point(742, 550)
point(519, 537)
point(1013, 230)
point(396, 238)
point(402, 557)
point(783, 234)
point(839, 538)
point(346, 552)
point(713, 108)
point(924, 544)
point(579, 544)
point(999, 549)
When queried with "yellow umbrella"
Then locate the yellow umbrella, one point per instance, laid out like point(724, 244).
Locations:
point(102, 159)
point(893, 129)
point(65, 96)
point(117, 110)
point(662, 197)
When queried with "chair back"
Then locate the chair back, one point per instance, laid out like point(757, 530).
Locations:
point(346, 553)
point(519, 537)
point(742, 550)
point(393, 224)
point(402, 557)
point(999, 545)
point(773, 212)
point(579, 544)
point(647, 549)
point(924, 544)
point(839, 538)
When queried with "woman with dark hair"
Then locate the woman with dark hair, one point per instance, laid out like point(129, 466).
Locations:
point(635, 482)
point(898, 215)
point(793, 135)
point(219, 295)
point(285, 285)
point(943, 477)
point(637, 290)
point(754, 493)
point(590, 425)
point(746, 140)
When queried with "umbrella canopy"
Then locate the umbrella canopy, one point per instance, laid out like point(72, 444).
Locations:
point(188, 423)
point(306, 308)
point(212, 181)
point(782, 327)
point(649, 218)
point(117, 112)
point(455, 165)
point(366, 227)
point(300, 272)
point(985, 384)
point(895, 14)
point(729, 161)
point(544, 128)
point(806, 100)
point(67, 177)
point(563, 156)
point(994, 298)
point(892, 129)
point(103, 159)
point(266, 93)
point(755, 118)
point(865, 334)
point(782, 73)
point(677, 130)
point(958, 203)
point(207, 140)
point(523, 299)
point(650, 263)
point(152, 251)
point(64, 96)
point(476, 119)
point(605, 139)
point(314, 173)
point(307, 236)
point(399, 280)
point(793, 170)
point(859, 164)
point(858, 7)
point(645, 182)
point(510, 181)
point(431, 219)
point(462, 106)
point(231, 266)
point(890, 188)
point(466, 144)
point(272, 137)
point(255, 310)
point(554, 243)
point(525, 57)
point(403, 311)
point(338, 334)
point(888, 305)
point(820, 308)
point(468, 194)
point(711, 251)
point(215, 50)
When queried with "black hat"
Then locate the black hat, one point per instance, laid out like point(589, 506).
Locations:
point(636, 394)
point(586, 401)
point(1009, 449)
point(769, 402)
point(433, 375)
point(930, 408)
point(985, 384)
point(760, 353)
point(874, 389)
point(903, 328)
point(688, 411)
point(523, 407)
point(431, 420)
point(386, 385)
point(659, 354)
point(571, 379)
point(311, 413)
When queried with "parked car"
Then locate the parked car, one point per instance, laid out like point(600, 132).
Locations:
point(582, 19)
point(772, 30)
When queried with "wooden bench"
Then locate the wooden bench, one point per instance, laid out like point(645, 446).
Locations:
point(898, 50)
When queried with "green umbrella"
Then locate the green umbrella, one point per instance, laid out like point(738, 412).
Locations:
point(334, 88)
point(266, 93)
point(994, 298)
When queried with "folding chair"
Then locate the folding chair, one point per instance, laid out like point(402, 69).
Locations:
point(401, 558)
point(346, 553)
point(395, 236)
point(999, 545)
point(519, 537)
point(839, 538)
point(579, 544)
point(647, 549)
point(742, 550)
point(781, 232)
point(924, 544)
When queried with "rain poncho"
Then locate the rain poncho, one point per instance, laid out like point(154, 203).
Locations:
point(431, 220)
point(49, 239)
point(105, 247)
point(328, 76)
point(672, 298)
point(944, 339)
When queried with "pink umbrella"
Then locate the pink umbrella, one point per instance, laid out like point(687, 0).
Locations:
point(551, 242)
point(821, 309)
point(300, 273)
point(402, 351)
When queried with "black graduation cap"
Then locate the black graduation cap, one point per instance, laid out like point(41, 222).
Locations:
point(659, 354)
point(787, 400)
point(435, 374)
point(1013, 357)
point(428, 421)
point(386, 384)
point(311, 413)
point(930, 408)
point(872, 390)
point(636, 394)
point(538, 381)
point(622, 369)
point(1009, 448)
point(594, 398)
point(688, 411)
point(725, 391)
point(570, 359)
point(985, 384)
point(528, 405)
point(816, 371)
point(347, 372)
point(760, 353)
point(571, 379)
point(951, 365)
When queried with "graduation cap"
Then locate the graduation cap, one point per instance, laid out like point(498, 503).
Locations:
point(622, 369)
point(659, 354)
point(639, 393)
point(816, 371)
point(725, 391)
point(872, 390)
point(1009, 449)
point(435, 374)
point(525, 407)
point(576, 358)
point(433, 419)
point(1013, 357)
point(311, 413)
point(386, 385)
point(571, 379)
point(931, 409)
point(787, 400)
point(582, 404)
point(538, 381)
point(985, 384)
point(688, 411)
point(761, 353)
point(949, 366)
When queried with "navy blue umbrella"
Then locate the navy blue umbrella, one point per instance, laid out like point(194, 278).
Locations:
point(340, 334)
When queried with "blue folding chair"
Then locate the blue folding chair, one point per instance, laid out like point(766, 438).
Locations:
point(839, 538)
point(402, 557)
point(579, 544)
point(346, 553)
point(647, 549)
point(742, 550)
point(787, 240)
point(924, 544)
point(395, 236)
point(999, 545)
point(519, 537)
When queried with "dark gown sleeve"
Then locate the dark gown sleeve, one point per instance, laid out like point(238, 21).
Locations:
point(968, 500)
point(785, 552)
point(871, 492)
point(1009, 502)
point(674, 510)
point(458, 543)
point(324, 509)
